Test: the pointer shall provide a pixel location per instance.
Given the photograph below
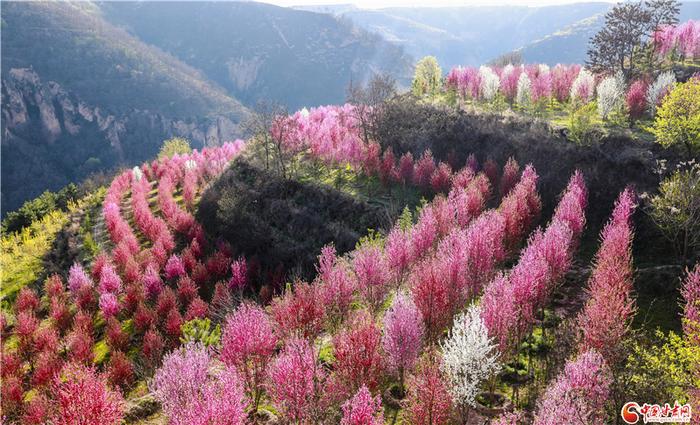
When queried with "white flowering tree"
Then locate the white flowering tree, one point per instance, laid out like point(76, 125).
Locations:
point(611, 95)
point(658, 89)
point(489, 83)
point(470, 357)
point(137, 173)
point(524, 93)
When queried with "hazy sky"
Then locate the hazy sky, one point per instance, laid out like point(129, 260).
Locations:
point(373, 4)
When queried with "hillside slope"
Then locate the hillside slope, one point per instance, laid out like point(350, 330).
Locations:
point(80, 95)
point(259, 51)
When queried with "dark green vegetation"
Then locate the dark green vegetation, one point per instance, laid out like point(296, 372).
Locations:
point(282, 222)
point(37, 208)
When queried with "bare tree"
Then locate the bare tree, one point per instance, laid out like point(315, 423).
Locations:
point(369, 100)
point(613, 46)
point(512, 58)
point(266, 136)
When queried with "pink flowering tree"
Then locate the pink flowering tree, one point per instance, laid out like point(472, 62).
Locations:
point(192, 391)
point(403, 335)
point(521, 207)
point(691, 307)
point(336, 286)
point(78, 278)
point(247, 344)
point(572, 205)
point(579, 394)
point(239, 275)
point(508, 418)
point(174, 268)
point(562, 78)
point(363, 409)
point(510, 176)
point(297, 383)
point(109, 280)
point(372, 274)
point(398, 253)
point(152, 281)
point(109, 304)
point(607, 314)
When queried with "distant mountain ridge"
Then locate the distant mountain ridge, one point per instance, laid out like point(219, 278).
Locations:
point(89, 86)
point(469, 35)
point(260, 51)
point(474, 35)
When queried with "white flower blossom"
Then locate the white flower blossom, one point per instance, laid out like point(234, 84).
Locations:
point(190, 164)
point(611, 95)
point(489, 83)
point(658, 88)
point(469, 356)
point(524, 92)
point(137, 174)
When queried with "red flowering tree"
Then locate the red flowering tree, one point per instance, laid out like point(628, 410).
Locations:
point(607, 314)
point(636, 99)
point(358, 360)
point(299, 312)
point(82, 398)
point(428, 401)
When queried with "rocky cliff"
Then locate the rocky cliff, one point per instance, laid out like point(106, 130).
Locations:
point(51, 137)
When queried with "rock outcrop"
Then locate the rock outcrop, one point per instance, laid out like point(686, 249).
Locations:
point(51, 137)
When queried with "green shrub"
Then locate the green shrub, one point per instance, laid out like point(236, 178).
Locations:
point(200, 330)
point(581, 123)
point(427, 79)
point(37, 208)
point(678, 119)
point(676, 209)
point(176, 145)
point(660, 371)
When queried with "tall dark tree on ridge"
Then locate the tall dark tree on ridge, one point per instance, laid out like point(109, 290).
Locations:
point(628, 27)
